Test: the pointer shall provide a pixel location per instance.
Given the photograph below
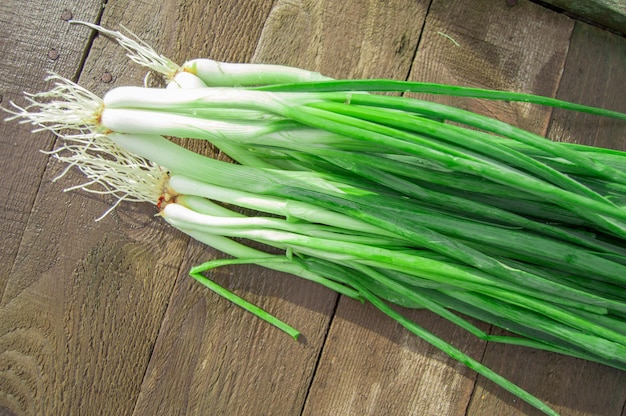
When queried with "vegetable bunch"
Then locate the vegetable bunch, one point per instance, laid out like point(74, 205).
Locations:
point(389, 199)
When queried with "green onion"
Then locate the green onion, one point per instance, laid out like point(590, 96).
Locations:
point(219, 74)
point(375, 197)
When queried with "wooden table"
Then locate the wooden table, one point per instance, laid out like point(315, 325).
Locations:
point(100, 318)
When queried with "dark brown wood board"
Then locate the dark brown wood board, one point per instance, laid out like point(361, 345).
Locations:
point(609, 14)
point(577, 387)
point(38, 39)
point(101, 317)
point(273, 363)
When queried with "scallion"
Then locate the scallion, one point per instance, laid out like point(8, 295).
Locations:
point(375, 197)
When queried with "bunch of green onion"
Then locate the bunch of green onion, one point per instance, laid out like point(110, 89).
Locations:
point(382, 198)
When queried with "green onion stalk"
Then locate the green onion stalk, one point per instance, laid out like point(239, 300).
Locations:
point(378, 198)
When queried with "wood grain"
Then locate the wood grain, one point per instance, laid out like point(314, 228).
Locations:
point(84, 300)
point(229, 361)
point(496, 50)
point(30, 44)
point(218, 359)
point(101, 318)
point(607, 13)
point(83, 328)
point(595, 73)
point(353, 39)
point(371, 366)
point(266, 372)
point(512, 48)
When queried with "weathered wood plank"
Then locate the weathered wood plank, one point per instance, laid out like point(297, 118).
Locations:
point(572, 387)
point(218, 359)
point(607, 13)
point(84, 300)
point(370, 365)
point(249, 367)
point(78, 336)
point(353, 39)
point(32, 43)
point(372, 368)
point(594, 74)
point(231, 362)
point(90, 308)
point(510, 48)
